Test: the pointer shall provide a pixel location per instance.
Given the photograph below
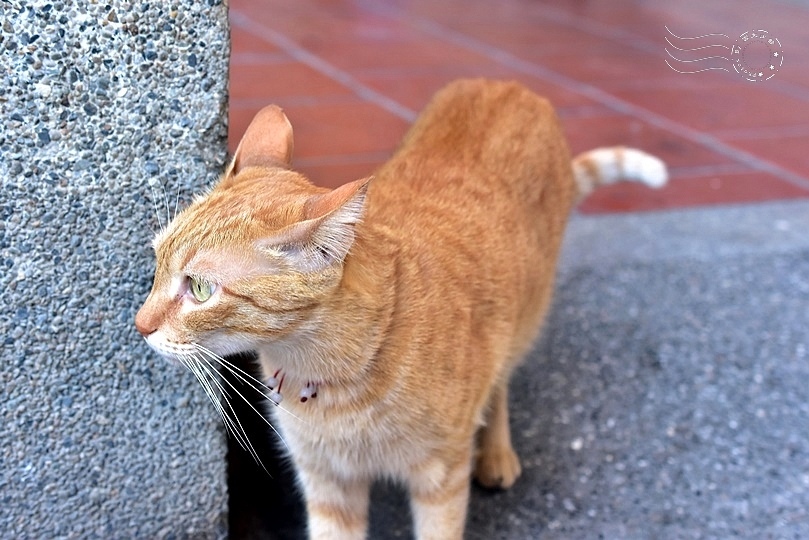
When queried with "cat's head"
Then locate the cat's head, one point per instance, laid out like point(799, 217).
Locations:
point(251, 260)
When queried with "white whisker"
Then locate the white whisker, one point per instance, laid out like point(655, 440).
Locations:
point(176, 203)
point(212, 382)
point(226, 420)
point(238, 372)
point(194, 367)
point(242, 396)
point(235, 426)
point(239, 433)
point(152, 183)
point(206, 387)
point(166, 201)
point(205, 378)
point(245, 378)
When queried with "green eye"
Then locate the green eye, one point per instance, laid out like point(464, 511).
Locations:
point(202, 290)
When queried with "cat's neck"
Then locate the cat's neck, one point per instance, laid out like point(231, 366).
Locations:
point(339, 343)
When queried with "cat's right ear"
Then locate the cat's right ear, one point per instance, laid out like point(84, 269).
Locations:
point(325, 234)
point(268, 142)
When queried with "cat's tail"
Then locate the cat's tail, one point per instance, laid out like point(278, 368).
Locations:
point(608, 165)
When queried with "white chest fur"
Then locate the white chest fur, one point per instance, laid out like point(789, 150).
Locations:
point(359, 443)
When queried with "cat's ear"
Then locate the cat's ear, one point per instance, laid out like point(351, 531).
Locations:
point(326, 233)
point(267, 142)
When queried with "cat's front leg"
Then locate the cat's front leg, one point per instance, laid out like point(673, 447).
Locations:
point(439, 495)
point(337, 508)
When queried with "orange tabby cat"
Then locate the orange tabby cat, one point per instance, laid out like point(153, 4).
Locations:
point(390, 312)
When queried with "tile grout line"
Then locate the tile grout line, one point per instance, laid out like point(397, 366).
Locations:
point(254, 58)
point(614, 103)
point(598, 29)
point(775, 132)
point(343, 159)
point(294, 101)
point(607, 31)
point(608, 100)
point(508, 60)
point(321, 66)
point(696, 171)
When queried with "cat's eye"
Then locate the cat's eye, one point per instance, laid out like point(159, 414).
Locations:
point(201, 290)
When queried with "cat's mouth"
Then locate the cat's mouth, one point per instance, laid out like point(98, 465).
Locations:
point(214, 346)
point(177, 353)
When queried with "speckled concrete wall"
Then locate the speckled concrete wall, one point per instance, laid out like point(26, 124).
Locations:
point(109, 111)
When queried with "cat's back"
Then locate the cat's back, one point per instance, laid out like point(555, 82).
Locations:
point(470, 212)
point(475, 202)
point(484, 156)
point(481, 140)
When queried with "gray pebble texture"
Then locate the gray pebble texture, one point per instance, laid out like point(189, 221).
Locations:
point(112, 113)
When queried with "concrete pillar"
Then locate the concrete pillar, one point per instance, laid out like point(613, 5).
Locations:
point(109, 112)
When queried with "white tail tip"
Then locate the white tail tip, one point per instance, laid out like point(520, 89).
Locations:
point(610, 165)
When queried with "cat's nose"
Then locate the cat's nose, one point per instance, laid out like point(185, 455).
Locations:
point(144, 324)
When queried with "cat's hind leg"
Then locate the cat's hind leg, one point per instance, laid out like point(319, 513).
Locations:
point(496, 464)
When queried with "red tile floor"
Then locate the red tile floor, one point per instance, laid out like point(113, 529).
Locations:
point(352, 75)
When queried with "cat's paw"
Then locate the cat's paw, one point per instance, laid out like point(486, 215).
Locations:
point(497, 468)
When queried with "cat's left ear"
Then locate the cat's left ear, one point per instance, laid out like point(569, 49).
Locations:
point(326, 233)
point(268, 142)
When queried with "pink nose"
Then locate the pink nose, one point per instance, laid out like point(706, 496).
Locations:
point(145, 323)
